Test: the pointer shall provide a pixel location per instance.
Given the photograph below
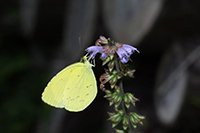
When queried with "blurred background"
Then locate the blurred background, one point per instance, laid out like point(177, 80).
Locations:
point(39, 38)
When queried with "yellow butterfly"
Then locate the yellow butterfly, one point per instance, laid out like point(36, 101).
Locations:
point(73, 88)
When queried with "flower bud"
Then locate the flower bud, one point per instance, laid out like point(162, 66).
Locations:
point(139, 117)
point(127, 105)
point(106, 96)
point(133, 122)
point(110, 114)
point(130, 73)
point(113, 116)
point(104, 78)
point(102, 87)
point(131, 98)
point(111, 65)
point(97, 43)
point(118, 101)
point(114, 72)
point(126, 99)
point(121, 112)
point(117, 105)
point(135, 126)
point(114, 124)
point(135, 119)
point(119, 131)
point(132, 119)
point(113, 80)
point(125, 122)
point(117, 88)
point(108, 93)
point(111, 103)
point(112, 85)
point(103, 40)
point(118, 119)
point(119, 75)
point(106, 60)
point(115, 97)
point(115, 93)
point(111, 56)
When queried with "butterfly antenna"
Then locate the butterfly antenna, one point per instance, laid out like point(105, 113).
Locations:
point(79, 40)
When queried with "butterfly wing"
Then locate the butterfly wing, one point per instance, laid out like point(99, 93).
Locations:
point(73, 88)
point(81, 89)
point(53, 93)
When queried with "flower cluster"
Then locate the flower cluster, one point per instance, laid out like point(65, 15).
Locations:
point(124, 51)
point(116, 55)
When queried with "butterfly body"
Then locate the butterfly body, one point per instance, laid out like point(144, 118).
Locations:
point(73, 88)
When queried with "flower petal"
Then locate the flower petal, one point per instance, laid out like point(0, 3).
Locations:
point(103, 55)
point(130, 49)
point(93, 50)
point(125, 52)
point(121, 52)
point(124, 59)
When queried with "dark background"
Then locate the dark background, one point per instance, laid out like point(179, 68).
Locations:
point(39, 38)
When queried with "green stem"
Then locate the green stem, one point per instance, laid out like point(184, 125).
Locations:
point(121, 90)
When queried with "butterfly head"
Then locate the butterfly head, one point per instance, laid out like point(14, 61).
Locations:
point(86, 61)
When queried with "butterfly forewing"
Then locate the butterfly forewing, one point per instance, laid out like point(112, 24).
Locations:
point(53, 93)
point(73, 88)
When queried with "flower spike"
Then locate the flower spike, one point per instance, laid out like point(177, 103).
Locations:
point(115, 56)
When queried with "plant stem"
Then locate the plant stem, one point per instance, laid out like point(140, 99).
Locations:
point(121, 90)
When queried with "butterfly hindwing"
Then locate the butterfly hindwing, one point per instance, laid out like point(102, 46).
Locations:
point(81, 89)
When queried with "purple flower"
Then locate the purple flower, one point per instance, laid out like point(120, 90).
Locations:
point(103, 55)
point(93, 50)
point(125, 52)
